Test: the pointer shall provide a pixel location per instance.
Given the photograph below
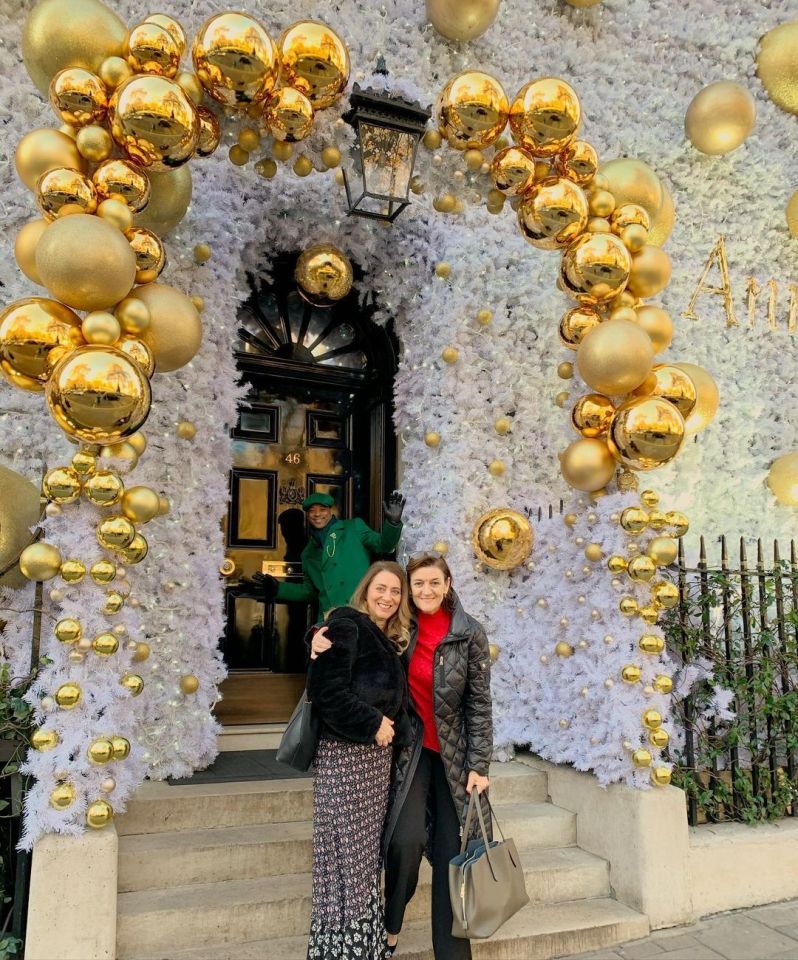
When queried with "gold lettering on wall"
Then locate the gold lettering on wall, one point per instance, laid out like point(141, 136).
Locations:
point(754, 288)
point(717, 254)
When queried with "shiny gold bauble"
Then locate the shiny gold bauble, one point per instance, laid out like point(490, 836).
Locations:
point(63, 796)
point(651, 643)
point(113, 71)
point(40, 561)
point(323, 274)
point(68, 695)
point(432, 438)
point(587, 464)
point(650, 272)
point(617, 563)
point(105, 644)
point(114, 601)
point(783, 479)
point(140, 504)
point(657, 323)
point(303, 166)
point(707, 398)
point(69, 33)
point(578, 162)
point(315, 61)
point(665, 593)
point(672, 384)
point(189, 684)
point(628, 606)
point(101, 327)
point(43, 150)
point(552, 213)
point(472, 110)
point(512, 170)
point(210, 133)
point(104, 488)
point(595, 268)
point(68, 630)
point(777, 67)
point(151, 48)
point(289, 115)
point(44, 740)
point(133, 683)
point(169, 201)
point(652, 719)
point(662, 683)
point(657, 519)
point(631, 673)
point(150, 253)
point(115, 532)
point(175, 331)
point(663, 551)
point(102, 572)
point(61, 485)
point(61, 187)
point(125, 179)
point(645, 433)
point(135, 551)
point(720, 117)
point(634, 520)
point(94, 143)
point(99, 814)
point(592, 414)
point(641, 569)
point(545, 115)
point(615, 357)
point(121, 747)
point(576, 323)
point(25, 248)
point(141, 653)
point(660, 776)
point(154, 122)
point(235, 59)
point(100, 750)
point(139, 352)
point(641, 758)
point(78, 97)
point(502, 539)
point(85, 462)
point(462, 19)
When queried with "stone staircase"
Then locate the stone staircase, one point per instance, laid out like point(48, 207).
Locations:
point(222, 872)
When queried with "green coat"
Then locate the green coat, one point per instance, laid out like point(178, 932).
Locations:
point(333, 571)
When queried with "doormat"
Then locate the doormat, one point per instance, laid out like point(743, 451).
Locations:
point(237, 765)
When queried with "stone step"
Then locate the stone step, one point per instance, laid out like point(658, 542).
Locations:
point(235, 910)
point(538, 932)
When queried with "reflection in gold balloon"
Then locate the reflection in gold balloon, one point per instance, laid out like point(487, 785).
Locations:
point(78, 97)
point(210, 134)
point(720, 117)
point(235, 59)
point(25, 248)
point(154, 122)
point(575, 323)
point(552, 213)
point(462, 19)
point(139, 351)
point(777, 65)
point(646, 433)
point(707, 397)
point(151, 48)
point(502, 539)
point(289, 115)
point(98, 395)
point(545, 115)
point(595, 268)
point(323, 274)
point(174, 333)
point(315, 61)
point(512, 170)
point(657, 323)
point(150, 254)
point(587, 464)
point(63, 186)
point(43, 150)
point(33, 333)
point(172, 25)
point(615, 357)
point(124, 178)
point(170, 196)
point(578, 162)
point(783, 479)
point(672, 384)
point(592, 414)
point(472, 110)
point(19, 512)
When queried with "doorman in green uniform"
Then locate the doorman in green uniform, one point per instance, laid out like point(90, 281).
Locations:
point(337, 555)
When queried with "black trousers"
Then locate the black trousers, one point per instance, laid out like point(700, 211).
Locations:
point(429, 787)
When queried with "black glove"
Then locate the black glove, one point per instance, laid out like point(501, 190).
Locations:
point(394, 508)
point(267, 585)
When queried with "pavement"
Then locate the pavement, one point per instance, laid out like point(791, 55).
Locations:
point(758, 933)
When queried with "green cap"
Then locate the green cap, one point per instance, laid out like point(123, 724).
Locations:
point(318, 500)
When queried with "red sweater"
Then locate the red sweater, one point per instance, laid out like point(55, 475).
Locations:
point(432, 628)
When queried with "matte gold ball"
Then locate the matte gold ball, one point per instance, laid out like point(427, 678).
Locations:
point(202, 252)
point(99, 814)
point(502, 426)
point(113, 70)
point(450, 355)
point(40, 561)
point(663, 551)
point(776, 65)
point(432, 439)
point(94, 143)
point(615, 357)
point(593, 552)
point(331, 157)
point(563, 649)
point(720, 117)
point(140, 504)
point(565, 370)
point(174, 334)
point(68, 695)
point(25, 248)
point(170, 196)
point(141, 653)
point(650, 272)
point(189, 684)
point(496, 468)
point(587, 464)
point(462, 20)
point(441, 547)
point(100, 326)
point(45, 149)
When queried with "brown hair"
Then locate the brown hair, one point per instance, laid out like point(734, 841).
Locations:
point(397, 629)
point(420, 560)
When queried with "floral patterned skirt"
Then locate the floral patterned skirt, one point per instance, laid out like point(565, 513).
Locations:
point(350, 798)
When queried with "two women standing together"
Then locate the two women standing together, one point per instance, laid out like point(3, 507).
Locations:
point(401, 683)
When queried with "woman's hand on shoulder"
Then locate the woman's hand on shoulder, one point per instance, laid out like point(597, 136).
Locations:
point(320, 643)
point(475, 780)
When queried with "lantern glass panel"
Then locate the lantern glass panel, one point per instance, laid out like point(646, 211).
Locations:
point(387, 156)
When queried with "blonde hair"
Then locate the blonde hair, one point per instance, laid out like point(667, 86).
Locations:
point(397, 629)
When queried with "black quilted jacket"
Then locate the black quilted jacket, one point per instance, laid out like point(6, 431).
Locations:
point(461, 680)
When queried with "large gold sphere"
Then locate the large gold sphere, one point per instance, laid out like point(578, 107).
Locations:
point(235, 59)
point(99, 814)
point(587, 464)
point(172, 25)
point(174, 334)
point(462, 19)
point(97, 395)
point(545, 115)
point(151, 48)
point(592, 414)
point(657, 323)
point(783, 479)
point(777, 65)
point(646, 433)
point(671, 383)
point(69, 33)
point(720, 117)
point(552, 213)
point(85, 262)
point(140, 504)
point(314, 60)
point(323, 274)
point(289, 115)
point(595, 268)
point(43, 150)
point(472, 110)
point(170, 197)
point(40, 561)
point(578, 162)
point(502, 539)
point(154, 122)
point(61, 186)
point(78, 97)
point(576, 323)
point(125, 179)
point(615, 357)
point(139, 352)
point(632, 181)
point(68, 695)
point(707, 398)
point(34, 334)
point(512, 170)
point(25, 248)
point(20, 509)
point(650, 272)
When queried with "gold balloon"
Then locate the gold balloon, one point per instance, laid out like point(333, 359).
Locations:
point(85, 462)
point(502, 539)
point(289, 115)
point(40, 561)
point(707, 398)
point(97, 395)
point(632, 181)
point(63, 796)
point(101, 327)
point(133, 683)
point(615, 357)
point(578, 162)
point(720, 117)
point(657, 323)
point(138, 351)
point(69, 33)
point(154, 122)
point(72, 571)
point(104, 488)
point(512, 170)
point(663, 551)
point(94, 143)
point(99, 814)
point(105, 644)
point(672, 384)
point(628, 606)
point(592, 414)
point(125, 179)
point(85, 262)
point(650, 273)
point(78, 97)
point(641, 758)
point(783, 479)
point(34, 333)
point(133, 315)
point(121, 747)
point(151, 48)
point(472, 110)
point(150, 254)
point(170, 24)
point(776, 65)
point(677, 523)
point(545, 115)
point(43, 150)
point(210, 134)
point(189, 684)
point(323, 274)
point(174, 334)
point(140, 504)
point(135, 551)
point(576, 323)
point(100, 750)
point(61, 485)
point(114, 601)
point(68, 695)
point(662, 224)
point(462, 19)
point(235, 59)
point(646, 433)
point(595, 268)
point(169, 200)
point(61, 186)
point(102, 572)
point(25, 248)
point(652, 719)
point(44, 740)
point(593, 552)
point(641, 569)
point(662, 684)
point(552, 213)
point(115, 532)
point(113, 71)
point(190, 83)
point(617, 563)
point(587, 464)
point(315, 61)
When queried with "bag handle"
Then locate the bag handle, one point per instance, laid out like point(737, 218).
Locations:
point(472, 803)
